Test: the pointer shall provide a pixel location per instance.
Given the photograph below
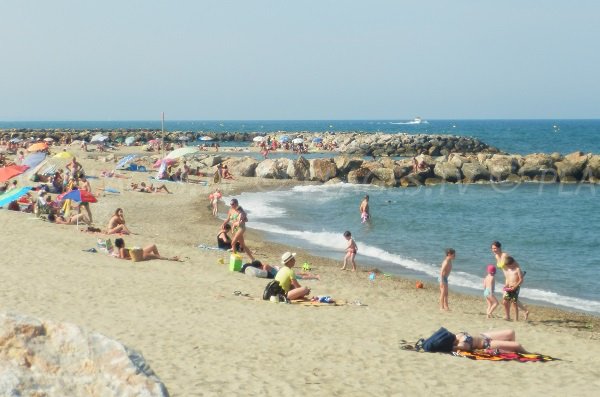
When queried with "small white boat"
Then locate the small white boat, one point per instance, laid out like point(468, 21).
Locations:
point(416, 120)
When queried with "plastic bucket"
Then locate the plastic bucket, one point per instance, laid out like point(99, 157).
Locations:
point(235, 263)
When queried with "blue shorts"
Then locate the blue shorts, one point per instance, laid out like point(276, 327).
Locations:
point(443, 280)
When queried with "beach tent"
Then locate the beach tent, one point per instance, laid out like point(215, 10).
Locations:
point(129, 140)
point(38, 147)
point(98, 138)
point(63, 155)
point(11, 171)
point(13, 195)
point(124, 162)
point(33, 159)
point(184, 151)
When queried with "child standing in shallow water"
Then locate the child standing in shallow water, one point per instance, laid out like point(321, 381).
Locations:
point(489, 284)
point(351, 249)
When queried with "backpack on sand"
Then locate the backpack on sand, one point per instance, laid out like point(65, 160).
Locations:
point(441, 341)
point(274, 289)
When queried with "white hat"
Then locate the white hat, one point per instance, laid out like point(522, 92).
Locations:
point(285, 258)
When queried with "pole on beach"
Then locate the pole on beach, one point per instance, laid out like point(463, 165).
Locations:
point(162, 124)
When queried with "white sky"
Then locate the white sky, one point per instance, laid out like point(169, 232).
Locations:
point(312, 59)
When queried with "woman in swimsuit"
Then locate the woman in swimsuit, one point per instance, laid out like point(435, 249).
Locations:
point(503, 340)
point(148, 252)
point(238, 219)
point(116, 224)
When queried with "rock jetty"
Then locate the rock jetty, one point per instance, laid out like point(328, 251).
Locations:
point(43, 358)
point(454, 168)
point(352, 143)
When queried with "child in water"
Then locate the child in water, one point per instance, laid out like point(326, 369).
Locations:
point(489, 284)
point(351, 249)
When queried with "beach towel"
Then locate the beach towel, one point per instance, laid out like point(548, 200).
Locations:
point(491, 355)
point(318, 303)
point(207, 247)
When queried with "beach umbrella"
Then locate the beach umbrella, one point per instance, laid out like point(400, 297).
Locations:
point(258, 138)
point(298, 140)
point(317, 139)
point(38, 147)
point(81, 196)
point(13, 195)
point(184, 151)
point(166, 161)
point(11, 171)
point(284, 138)
point(124, 162)
point(48, 139)
point(33, 159)
point(129, 140)
point(63, 155)
point(16, 140)
point(206, 138)
point(98, 138)
point(183, 138)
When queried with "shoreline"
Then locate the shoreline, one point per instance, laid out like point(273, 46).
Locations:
point(202, 339)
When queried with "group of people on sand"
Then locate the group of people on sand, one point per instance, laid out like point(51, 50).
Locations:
point(513, 279)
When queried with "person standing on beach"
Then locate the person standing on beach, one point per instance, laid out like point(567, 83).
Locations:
point(238, 218)
point(500, 262)
point(351, 250)
point(445, 270)
point(514, 278)
point(489, 285)
point(364, 209)
point(214, 201)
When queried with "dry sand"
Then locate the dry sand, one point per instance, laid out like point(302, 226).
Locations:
point(201, 339)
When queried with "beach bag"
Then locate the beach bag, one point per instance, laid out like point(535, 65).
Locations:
point(274, 289)
point(136, 254)
point(441, 341)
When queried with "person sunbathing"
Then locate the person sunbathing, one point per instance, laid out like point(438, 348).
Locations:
point(72, 220)
point(149, 252)
point(502, 340)
point(116, 224)
point(149, 189)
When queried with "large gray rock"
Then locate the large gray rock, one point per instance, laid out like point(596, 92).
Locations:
point(242, 166)
point(501, 166)
point(273, 169)
point(474, 172)
point(384, 177)
point(538, 167)
point(322, 170)
point(567, 171)
point(301, 169)
point(44, 358)
point(592, 171)
point(447, 171)
point(360, 176)
point(346, 164)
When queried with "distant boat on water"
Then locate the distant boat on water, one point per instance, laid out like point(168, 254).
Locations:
point(416, 120)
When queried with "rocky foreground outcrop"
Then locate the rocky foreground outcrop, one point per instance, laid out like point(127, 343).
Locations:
point(454, 168)
point(43, 358)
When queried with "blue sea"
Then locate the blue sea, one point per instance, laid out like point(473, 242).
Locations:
point(551, 230)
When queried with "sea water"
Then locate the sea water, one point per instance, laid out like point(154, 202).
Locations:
point(550, 229)
point(513, 136)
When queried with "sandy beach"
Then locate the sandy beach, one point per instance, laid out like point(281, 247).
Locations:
point(201, 339)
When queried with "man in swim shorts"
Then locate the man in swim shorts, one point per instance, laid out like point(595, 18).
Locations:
point(445, 270)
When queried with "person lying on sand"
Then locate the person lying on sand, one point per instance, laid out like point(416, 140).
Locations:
point(72, 220)
point(149, 252)
point(503, 340)
point(149, 189)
